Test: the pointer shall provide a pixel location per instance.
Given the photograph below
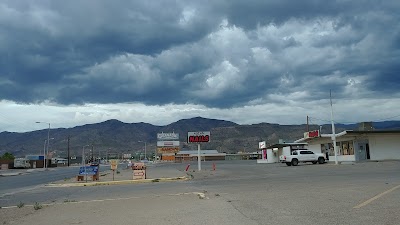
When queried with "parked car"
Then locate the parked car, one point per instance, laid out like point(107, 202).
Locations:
point(302, 156)
point(94, 163)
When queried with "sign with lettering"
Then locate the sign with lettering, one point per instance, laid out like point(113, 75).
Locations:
point(167, 136)
point(114, 164)
point(88, 170)
point(312, 134)
point(173, 149)
point(167, 143)
point(199, 137)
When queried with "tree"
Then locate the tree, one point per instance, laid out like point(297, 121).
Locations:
point(7, 155)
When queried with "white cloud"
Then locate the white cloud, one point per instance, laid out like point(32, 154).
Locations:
point(20, 118)
point(187, 15)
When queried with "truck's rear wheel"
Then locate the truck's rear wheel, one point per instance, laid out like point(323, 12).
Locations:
point(295, 162)
point(321, 160)
point(288, 164)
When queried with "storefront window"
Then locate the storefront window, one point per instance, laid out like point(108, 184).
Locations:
point(347, 147)
point(343, 148)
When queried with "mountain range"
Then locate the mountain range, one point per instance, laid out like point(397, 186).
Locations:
point(116, 137)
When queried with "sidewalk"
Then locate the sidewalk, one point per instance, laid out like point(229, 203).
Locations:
point(154, 173)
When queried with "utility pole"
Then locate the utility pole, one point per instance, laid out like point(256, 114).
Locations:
point(307, 125)
point(91, 156)
point(68, 152)
point(333, 129)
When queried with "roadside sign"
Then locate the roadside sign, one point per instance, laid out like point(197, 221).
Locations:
point(114, 164)
point(167, 136)
point(261, 145)
point(198, 137)
point(88, 170)
point(167, 143)
point(172, 149)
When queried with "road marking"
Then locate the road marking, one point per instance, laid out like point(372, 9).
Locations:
point(21, 190)
point(103, 200)
point(376, 197)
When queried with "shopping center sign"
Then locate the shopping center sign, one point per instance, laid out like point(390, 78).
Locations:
point(167, 136)
point(164, 150)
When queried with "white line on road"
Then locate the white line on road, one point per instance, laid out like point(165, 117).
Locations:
point(107, 199)
point(21, 190)
point(375, 197)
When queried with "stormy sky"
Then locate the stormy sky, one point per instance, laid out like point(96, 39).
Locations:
point(70, 63)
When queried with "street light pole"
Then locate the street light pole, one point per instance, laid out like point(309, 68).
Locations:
point(48, 143)
point(44, 152)
point(333, 130)
point(84, 160)
point(145, 148)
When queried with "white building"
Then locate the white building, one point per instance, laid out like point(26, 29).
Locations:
point(358, 145)
point(274, 151)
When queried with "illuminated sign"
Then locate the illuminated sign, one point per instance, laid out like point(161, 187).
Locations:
point(199, 137)
point(311, 134)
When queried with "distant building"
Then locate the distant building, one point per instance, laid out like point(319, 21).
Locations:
point(192, 155)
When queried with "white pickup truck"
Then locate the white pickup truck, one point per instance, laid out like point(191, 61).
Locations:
point(302, 156)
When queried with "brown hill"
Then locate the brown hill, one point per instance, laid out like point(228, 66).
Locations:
point(117, 137)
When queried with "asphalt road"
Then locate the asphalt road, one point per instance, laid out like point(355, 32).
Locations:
point(32, 180)
point(238, 192)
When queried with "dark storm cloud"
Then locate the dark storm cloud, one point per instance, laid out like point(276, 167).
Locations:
point(220, 54)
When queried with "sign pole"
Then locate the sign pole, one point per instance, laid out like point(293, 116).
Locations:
point(198, 157)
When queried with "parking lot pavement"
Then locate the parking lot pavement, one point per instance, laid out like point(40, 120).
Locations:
point(247, 193)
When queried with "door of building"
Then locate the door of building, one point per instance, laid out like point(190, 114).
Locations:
point(362, 154)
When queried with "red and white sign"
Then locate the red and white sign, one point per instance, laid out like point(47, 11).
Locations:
point(311, 134)
point(199, 137)
point(262, 145)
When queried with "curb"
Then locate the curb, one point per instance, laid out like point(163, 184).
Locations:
point(155, 180)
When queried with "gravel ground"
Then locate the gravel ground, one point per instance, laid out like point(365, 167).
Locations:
point(184, 208)
point(11, 216)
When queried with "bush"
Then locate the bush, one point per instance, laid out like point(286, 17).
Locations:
point(20, 204)
point(37, 206)
point(7, 155)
